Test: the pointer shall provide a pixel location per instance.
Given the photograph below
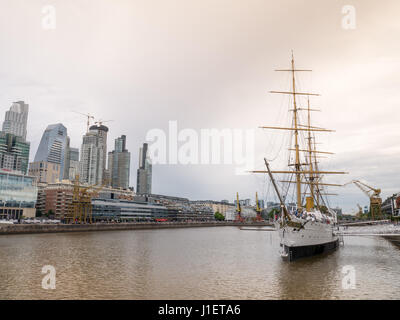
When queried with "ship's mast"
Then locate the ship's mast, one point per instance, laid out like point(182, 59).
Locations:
point(313, 172)
point(310, 150)
point(296, 140)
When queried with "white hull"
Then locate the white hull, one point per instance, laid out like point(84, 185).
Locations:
point(313, 233)
point(314, 238)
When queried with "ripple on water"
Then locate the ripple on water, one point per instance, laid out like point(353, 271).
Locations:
point(195, 263)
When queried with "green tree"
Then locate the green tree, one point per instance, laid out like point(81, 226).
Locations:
point(273, 212)
point(324, 209)
point(50, 214)
point(219, 216)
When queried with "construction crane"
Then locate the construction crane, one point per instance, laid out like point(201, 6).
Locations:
point(258, 209)
point(100, 122)
point(81, 206)
point(374, 196)
point(239, 217)
point(88, 116)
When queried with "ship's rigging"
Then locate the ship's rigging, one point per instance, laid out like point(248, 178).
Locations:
point(308, 177)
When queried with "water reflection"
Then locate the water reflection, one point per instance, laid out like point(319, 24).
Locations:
point(310, 277)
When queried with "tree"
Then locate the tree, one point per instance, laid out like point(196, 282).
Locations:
point(273, 212)
point(219, 216)
point(50, 214)
point(324, 209)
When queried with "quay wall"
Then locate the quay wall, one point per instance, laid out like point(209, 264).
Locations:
point(6, 229)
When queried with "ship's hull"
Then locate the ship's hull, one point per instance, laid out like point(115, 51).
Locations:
point(313, 239)
point(294, 253)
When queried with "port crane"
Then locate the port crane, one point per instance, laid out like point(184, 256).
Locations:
point(239, 217)
point(80, 210)
point(374, 196)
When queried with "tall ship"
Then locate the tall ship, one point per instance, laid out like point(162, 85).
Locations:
point(310, 226)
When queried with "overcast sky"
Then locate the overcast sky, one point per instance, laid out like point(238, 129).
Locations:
point(210, 64)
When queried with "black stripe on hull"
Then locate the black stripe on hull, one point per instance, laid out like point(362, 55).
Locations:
point(294, 253)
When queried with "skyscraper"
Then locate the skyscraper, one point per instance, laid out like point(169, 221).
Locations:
point(67, 159)
point(73, 163)
point(93, 155)
point(144, 173)
point(16, 119)
point(14, 152)
point(102, 132)
point(119, 164)
point(53, 146)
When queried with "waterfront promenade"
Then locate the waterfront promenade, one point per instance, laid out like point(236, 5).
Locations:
point(55, 228)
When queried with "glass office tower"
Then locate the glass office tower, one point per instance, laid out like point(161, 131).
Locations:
point(53, 146)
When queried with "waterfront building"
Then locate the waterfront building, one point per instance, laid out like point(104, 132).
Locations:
point(243, 202)
point(53, 147)
point(44, 171)
point(16, 119)
point(338, 211)
point(119, 164)
point(391, 205)
point(14, 152)
point(217, 206)
point(124, 210)
point(116, 209)
point(182, 209)
point(18, 195)
point(144, 173)
point(57, 197)
point(93, 155)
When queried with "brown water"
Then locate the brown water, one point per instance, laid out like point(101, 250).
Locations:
point(193, 263)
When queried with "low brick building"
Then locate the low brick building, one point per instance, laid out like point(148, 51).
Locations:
point(57, 197)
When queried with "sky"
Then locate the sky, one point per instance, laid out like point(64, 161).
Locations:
point(210, 64)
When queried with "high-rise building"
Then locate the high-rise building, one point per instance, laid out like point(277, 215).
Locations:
point(14, 152)
point(16, 119)
point(53, 146)
point(93, 155)
point(144, 173)
point(119, 162)
point(102, 132)
point(73, 163)
point(66, 159)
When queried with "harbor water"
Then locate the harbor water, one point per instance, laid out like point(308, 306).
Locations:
point(192, 263)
